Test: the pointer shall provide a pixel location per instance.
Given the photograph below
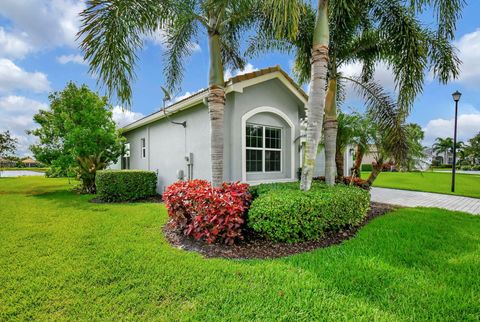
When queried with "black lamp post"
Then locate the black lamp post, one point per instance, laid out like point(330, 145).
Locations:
point(456, 97)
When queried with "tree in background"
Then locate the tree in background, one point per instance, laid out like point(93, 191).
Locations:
point(8, 144)
point(114, 31)
point(77, 132)
point(416, 152)
point(473, 149)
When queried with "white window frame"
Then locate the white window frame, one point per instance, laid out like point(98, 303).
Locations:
point(291, 141)
point(143, 148)
point(264, 147)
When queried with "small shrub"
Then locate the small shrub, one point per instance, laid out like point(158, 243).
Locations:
point(205, 212)
point(357, 182)
point(125, 185)
point(290, 215)
point(366, 167)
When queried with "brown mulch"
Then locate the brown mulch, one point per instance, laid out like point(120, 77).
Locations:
point(253, 246)
point(151, 199)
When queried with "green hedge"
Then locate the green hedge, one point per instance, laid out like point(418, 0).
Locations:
point(366, 167)
point(125, 185)
point(282, 212)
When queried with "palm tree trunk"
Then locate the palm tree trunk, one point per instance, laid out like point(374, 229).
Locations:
point(316, 100)
point(356, 173)
point(339, 162)
point(216, 106)
point(330, 128)
point(376, 170)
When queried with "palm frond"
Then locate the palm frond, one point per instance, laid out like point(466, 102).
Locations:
point(388, 118)
point(111, 34)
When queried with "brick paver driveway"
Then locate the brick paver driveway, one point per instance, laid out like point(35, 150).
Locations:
point(425, 199)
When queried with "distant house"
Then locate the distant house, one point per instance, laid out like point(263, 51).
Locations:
point(30, 163)
point(263, 136)
point(5, 163)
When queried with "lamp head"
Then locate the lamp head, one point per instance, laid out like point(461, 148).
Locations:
point(456, 96)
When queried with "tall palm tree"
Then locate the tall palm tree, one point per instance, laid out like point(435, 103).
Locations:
point(372, 31)
point(113, 31)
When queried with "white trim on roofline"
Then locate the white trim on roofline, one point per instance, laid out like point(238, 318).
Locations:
point(273, 110)
point(197, 98)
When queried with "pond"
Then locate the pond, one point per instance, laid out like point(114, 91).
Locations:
point(20, 173)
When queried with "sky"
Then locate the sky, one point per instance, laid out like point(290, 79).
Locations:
point(39, 54)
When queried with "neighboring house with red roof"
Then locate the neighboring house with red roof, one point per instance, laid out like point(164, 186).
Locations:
point(263, 133)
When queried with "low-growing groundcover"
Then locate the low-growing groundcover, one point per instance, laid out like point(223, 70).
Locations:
point(63, 258)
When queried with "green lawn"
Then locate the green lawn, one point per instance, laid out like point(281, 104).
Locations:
point(465, 184)
point(28, 169)
point(63, 258)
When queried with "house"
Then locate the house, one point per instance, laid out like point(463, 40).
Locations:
point(30, 163)
point(6, 163)
point(263, 118)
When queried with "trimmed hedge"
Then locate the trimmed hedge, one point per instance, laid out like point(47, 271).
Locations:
point(125, 185)
point(281, 212)
point(366, 167)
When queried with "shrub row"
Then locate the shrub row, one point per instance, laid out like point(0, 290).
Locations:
point(357, 182)
point(281, 212)
point(205, 212)
point(367, 167)
point(470, 167)
point(125, 185)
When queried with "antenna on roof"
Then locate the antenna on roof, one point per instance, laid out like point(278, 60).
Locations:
point(166, 98)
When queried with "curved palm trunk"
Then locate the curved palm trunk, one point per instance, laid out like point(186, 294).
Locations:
point(376, 169)
point(359, 152)
point(316, 100)
point(216, 106)
point(330, 128)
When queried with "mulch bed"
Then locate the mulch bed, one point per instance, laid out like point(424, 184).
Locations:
point(153, 199)
point(253, 246)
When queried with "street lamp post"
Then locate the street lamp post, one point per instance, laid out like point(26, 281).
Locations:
point(456, 97)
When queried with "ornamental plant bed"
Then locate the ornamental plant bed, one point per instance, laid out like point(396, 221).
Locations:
point(151, 199)
point(254, 246)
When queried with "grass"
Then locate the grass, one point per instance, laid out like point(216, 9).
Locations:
point(465, 184)
point(28, 169)
point(63, 258)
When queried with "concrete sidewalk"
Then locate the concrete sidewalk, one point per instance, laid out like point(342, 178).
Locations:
point(425, 199)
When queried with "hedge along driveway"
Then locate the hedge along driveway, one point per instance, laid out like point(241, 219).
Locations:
point(63, 258)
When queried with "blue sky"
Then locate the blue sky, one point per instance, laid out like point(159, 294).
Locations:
point(39, 54)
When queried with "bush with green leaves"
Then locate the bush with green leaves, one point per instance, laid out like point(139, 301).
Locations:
point(281, 212)
point(367, 167)
point(125, 185)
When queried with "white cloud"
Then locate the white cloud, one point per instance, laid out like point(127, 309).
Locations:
point(12, 45)
point(13, 78)
point(184, 96)
point(383, 75)
point(248, 69)
point(124, 117)
point(75, 59)
point(42, 23)
point(17, 116)
point(468, 125)
point(469, 48)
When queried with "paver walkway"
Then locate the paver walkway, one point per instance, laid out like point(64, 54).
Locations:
point(425, 199)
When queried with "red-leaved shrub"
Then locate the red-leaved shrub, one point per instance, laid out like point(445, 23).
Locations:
point(206, 212)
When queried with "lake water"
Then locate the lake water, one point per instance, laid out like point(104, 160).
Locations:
point(20, 173)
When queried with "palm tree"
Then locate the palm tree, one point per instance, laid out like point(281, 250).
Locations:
point(443, 146)
point(369, 32)
point(113, 31)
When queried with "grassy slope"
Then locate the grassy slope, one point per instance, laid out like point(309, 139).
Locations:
point(465, 184)
point(63, 258)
